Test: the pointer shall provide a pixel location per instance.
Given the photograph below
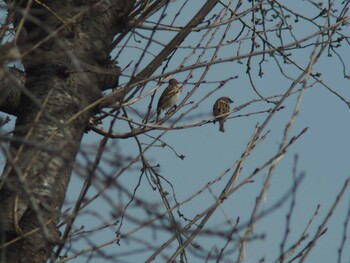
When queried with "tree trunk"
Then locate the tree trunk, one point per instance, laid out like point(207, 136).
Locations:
point(74, 37)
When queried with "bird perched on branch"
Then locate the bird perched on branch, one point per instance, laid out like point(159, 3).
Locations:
point(169, 97)
point(222, 106)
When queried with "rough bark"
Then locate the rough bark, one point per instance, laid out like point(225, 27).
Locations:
point(11, 84)
point(74, 38)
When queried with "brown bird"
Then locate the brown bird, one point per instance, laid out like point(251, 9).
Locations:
point(169, 97)
point(222, 106)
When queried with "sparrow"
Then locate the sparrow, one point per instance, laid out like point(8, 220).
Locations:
point(222, 106)
point(168, 97)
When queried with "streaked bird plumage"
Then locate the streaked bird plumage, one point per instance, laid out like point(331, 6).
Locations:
point(222, 106)
point(169, 97)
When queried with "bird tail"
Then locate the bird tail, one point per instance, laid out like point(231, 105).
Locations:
point(221, 128)
point(159, 111)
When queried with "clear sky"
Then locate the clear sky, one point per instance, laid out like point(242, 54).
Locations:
point(323, 152)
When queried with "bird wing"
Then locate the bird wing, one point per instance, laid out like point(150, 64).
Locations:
point(220, 107)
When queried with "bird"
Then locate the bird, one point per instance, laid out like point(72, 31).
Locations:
point(169, 97)
point(222, 106)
